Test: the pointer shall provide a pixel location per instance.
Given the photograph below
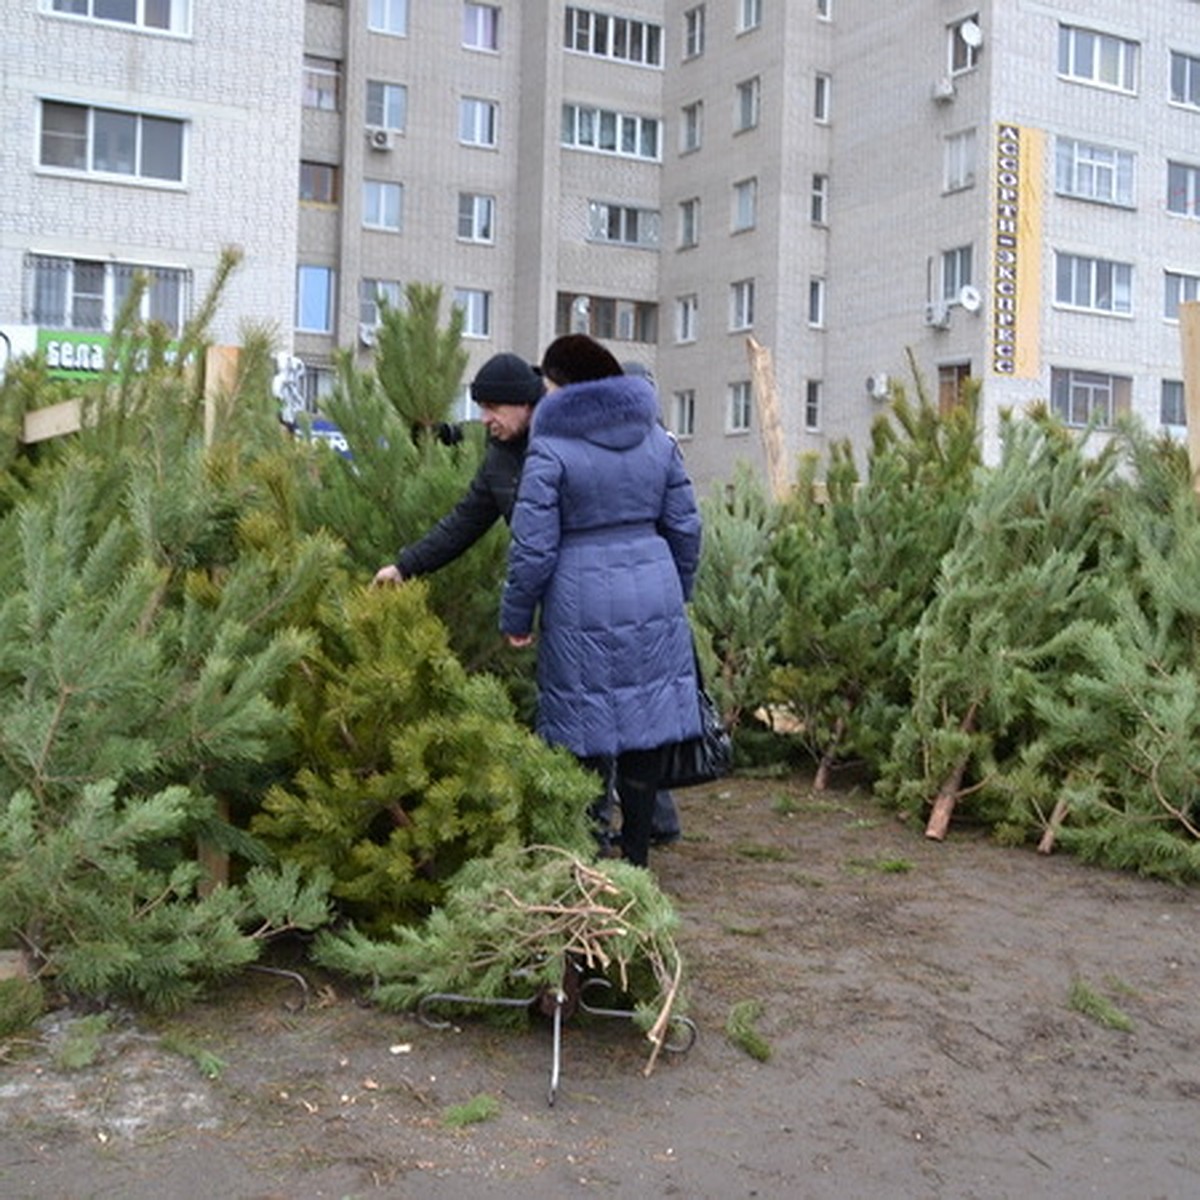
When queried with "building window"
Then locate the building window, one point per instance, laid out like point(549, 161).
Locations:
point(321, 83)
point(745, 205)
point(819, 200)
point(1097, 58)
point(314, 299)
point(387, 105)
point(822, 98)
point(1171, 407)
point(963, 45)
point(72, 293)
point(171, 16)
point(689, 223)
point(476, 308)
point(812, 405)
point(738, 416)
point(388, 16)
point(687, 318)
point(952, 378)
point(1183, 189)
point(373, 295)
point(748, 97)
point(383, 205)
point(693, 32)
point(957, 267)
point(749, 15)
point(606, 36)
point(1092, 172)
point(691, 127)
point(959, 157)
point(1185, 79)
point(103, 141)
point(1179, 289)
point(683, 414)
point(476, 217)
point(606, 132)
point(1096, 284)
point(623, 225)
point(481, 27)
point(816, 302)
point(477, 121)
point(1088, 397)
point(825, 9)
point(607, 318)
point(318, 183)
point(741, 305)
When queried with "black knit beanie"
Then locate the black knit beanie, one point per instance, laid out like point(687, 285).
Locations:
point(507, 379)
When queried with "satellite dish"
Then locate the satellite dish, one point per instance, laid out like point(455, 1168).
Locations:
point(970, 33)
point(970, 298)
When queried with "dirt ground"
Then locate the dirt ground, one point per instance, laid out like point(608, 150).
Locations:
point(927, 1007)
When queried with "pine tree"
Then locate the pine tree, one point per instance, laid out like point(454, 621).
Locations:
point(515, 924)
point(735, 603)
point(401, 477)
point(1110, 770)
point(410, 766)
point(857, 571)
point(1023, 569)
point(145, 644)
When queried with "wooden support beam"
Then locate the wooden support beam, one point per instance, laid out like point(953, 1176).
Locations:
point(1189, 335)
point(770, 419)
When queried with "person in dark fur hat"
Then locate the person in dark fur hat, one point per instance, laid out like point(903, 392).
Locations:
point(605, 545)
point(506, 390)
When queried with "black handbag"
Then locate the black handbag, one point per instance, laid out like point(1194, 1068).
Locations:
point(700, 759)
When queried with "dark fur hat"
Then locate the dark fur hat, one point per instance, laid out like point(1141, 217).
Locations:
point(575, 357)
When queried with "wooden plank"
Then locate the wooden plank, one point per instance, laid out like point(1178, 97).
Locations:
point(52, 421)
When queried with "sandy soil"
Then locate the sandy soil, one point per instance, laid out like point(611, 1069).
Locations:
point(922, 1003)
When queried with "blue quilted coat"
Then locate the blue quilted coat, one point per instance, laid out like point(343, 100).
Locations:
point(605, 541)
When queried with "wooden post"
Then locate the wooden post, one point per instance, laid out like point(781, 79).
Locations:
point(1189, 336)
point(770, 422)
point(220, 380)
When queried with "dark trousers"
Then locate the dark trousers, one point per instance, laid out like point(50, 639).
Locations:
point(648, 814)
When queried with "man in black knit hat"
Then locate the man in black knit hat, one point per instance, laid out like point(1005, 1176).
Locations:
point(506, 389)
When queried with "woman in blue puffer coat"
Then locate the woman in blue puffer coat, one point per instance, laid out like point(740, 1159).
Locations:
point(605, 545)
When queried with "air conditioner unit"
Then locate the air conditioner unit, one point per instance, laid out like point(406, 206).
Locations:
point(367, 334)
point(379, 139)
point(943, 90)
point(937, 314)
point(877, 386)
point(970, 298)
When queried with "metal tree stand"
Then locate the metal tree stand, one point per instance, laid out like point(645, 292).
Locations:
point(559, 1004)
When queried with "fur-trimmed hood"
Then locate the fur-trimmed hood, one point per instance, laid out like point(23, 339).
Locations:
point(616, 412)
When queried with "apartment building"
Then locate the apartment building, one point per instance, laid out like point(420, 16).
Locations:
point(851, 194)
point(144, 135)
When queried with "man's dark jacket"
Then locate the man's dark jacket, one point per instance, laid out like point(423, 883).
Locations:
point(491, 496)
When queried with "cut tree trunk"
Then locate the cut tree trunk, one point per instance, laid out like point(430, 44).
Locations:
point(1057, 817)
point(829, 757)
point(947, 794)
